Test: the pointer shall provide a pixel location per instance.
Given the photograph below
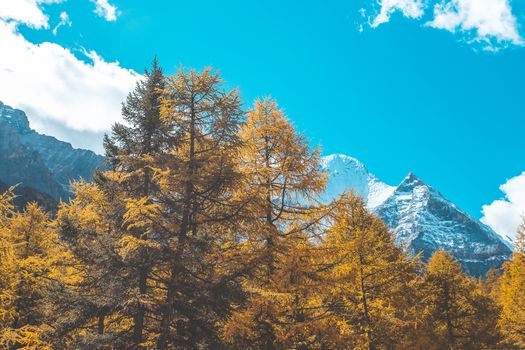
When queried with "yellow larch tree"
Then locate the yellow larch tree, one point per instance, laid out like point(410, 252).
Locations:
point(280, 180)
point(195, 177)
point(512, 294)
point(370, 283)
point(95, 308)
point(457, 312)
point(31, 259)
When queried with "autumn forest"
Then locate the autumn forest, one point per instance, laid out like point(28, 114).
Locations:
point(205, 231)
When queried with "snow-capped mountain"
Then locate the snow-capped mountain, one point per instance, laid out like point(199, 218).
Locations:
point(347, 173)
point(422, 219)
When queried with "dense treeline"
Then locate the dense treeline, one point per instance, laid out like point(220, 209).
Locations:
point(206, 233)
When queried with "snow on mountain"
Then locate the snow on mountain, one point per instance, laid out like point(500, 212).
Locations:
point(422, 219)
point(347, 173)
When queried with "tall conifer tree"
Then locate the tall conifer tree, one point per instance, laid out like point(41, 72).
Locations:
point(129, 149)
point(281, 178)
point(512, 294)
point(195, 178)
point(369, 280)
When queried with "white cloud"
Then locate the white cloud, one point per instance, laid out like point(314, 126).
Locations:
point(57, 89)
point(25, 11)
point(504, 215)
point(488, 19)
point(489, 22)
point(64, 21)
point(105, 9)
point(409, 8)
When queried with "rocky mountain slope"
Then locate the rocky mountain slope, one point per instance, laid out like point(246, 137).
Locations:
point(39, 161)
point(422, 219)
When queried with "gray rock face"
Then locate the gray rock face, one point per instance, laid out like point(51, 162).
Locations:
point(65, 162)
point(39, 161)
point(422, 219)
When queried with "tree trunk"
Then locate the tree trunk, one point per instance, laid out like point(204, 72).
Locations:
point(450, 326)
point(101, 318)
point(364, 301)
point(138, 326)
point(166, 318)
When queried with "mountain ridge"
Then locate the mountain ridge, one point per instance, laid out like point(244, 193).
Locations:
point(422, 219)
point(39, 161)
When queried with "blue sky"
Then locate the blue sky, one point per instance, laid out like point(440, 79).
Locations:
point(401, 93)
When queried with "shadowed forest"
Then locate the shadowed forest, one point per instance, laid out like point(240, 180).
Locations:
point(205, 231)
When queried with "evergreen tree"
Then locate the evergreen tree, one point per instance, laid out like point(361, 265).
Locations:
point(142, 135)
point(108, 228)
point(129, 149)
point(512, 294)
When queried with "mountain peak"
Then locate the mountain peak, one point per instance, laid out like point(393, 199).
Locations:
point(338, 160)
point(15, 117)
point(412, 181)
point(348, 173)
point(425, 221)
point(412, 178)
point(421, 217)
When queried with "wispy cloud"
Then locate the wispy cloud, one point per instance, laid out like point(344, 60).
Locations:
point(485, 20)
point(504, 215)
point(490, 23)
point(64, 21)
point(27, 12)
point(105, 10)
point(58, 88)
point(409, 8)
